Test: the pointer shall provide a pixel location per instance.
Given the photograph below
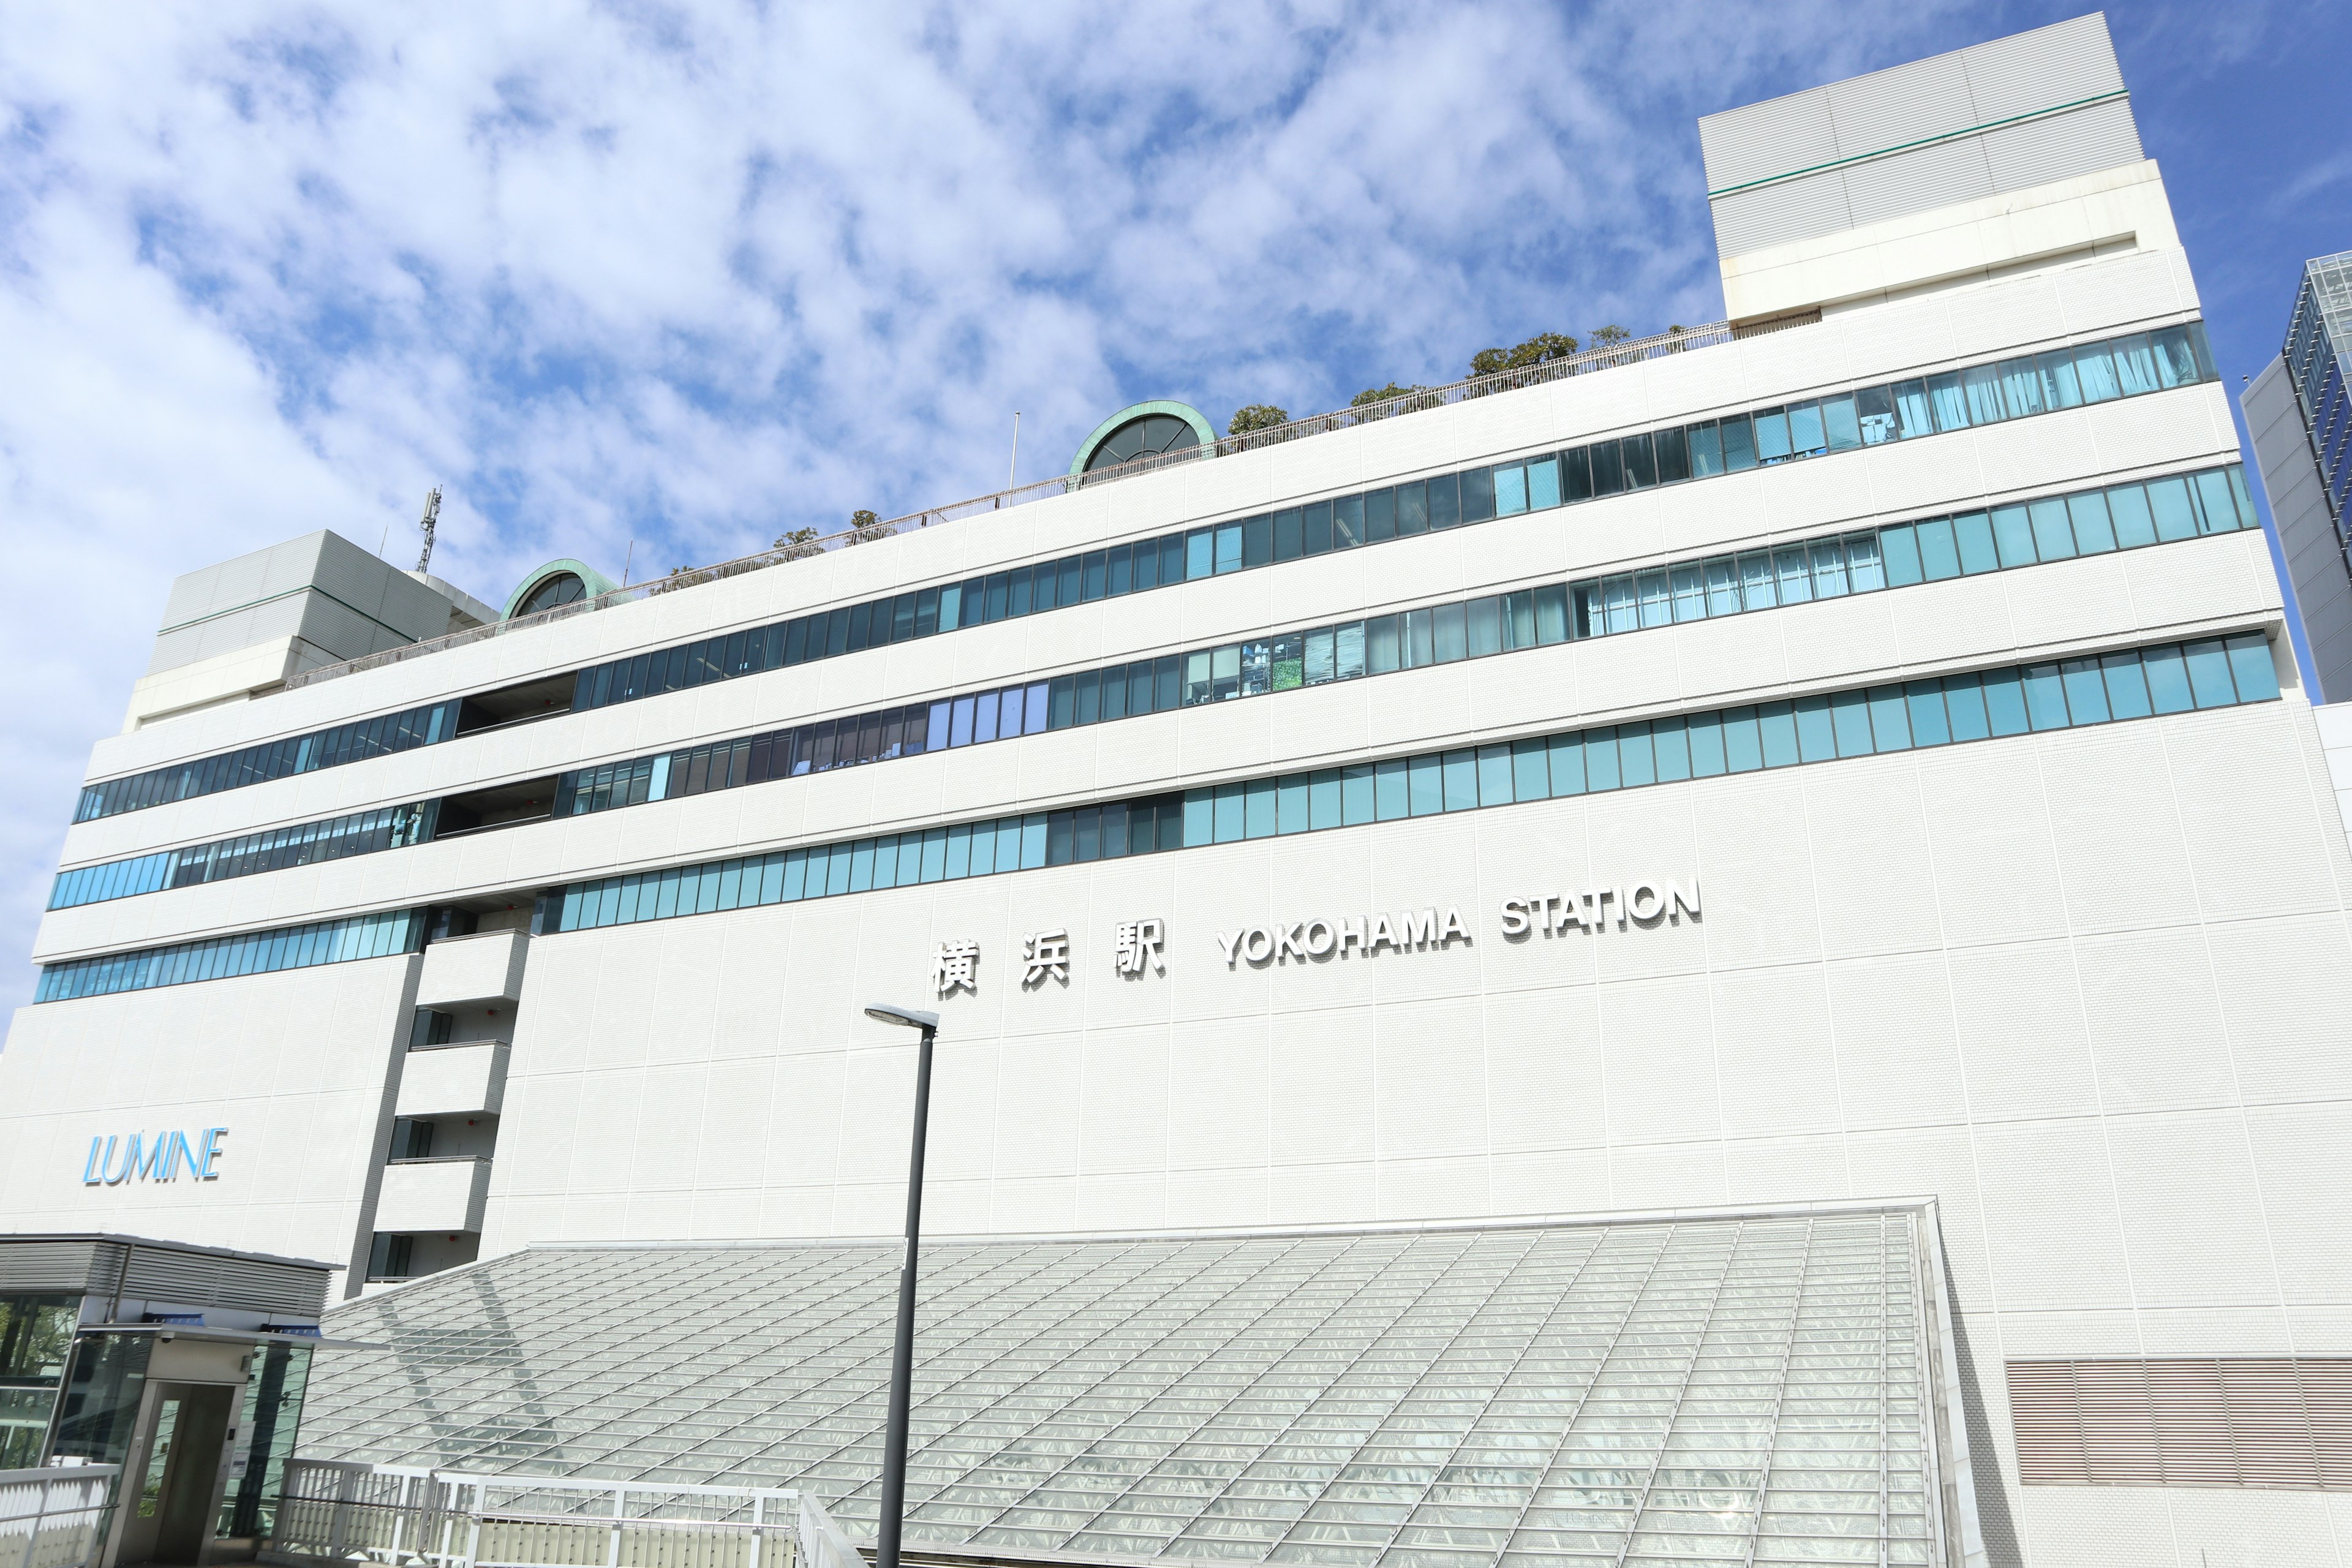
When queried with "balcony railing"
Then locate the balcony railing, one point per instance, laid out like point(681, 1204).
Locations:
point(1609, 356)
point(344, 1514)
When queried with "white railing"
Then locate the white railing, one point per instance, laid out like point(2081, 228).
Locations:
point(55, 1518)
point(1606, 356)
point(338, 1513)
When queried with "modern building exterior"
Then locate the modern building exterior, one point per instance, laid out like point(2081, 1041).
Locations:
point(2299, 412)
point(1727, 949)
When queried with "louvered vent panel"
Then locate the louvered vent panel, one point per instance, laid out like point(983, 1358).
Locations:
point(78, 1266)
point(2283, 1424)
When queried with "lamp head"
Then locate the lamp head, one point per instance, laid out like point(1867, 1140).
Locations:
point(906, 1017)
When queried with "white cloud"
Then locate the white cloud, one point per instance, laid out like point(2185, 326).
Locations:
point(692, 275)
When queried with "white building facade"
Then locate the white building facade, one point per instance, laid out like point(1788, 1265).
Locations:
point(1850, 756)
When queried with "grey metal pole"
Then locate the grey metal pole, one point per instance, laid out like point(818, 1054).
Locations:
point(902, 1355)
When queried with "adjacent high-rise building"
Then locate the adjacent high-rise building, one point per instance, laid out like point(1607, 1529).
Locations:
point(2299, 412)
point(1728, 949)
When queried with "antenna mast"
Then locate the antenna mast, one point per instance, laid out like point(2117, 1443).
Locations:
point(431, 516)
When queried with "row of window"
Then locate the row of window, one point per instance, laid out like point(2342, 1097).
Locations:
point(2137, 684)
point(2050, 528)
point(362, 833)
point(221, 957)
point(1961, 399)
point(1978, 394)
point(356, 741)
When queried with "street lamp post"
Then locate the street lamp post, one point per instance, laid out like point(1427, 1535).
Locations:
point(902, 1352)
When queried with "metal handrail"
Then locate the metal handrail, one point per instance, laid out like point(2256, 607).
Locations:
point(1608, 356)
point(60, 1513)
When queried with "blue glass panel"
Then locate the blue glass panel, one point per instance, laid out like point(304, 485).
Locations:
point(1890, 723)
point(1599, 760)
point(1669, 743)
point(2167, 679)
point(1635, 762)
point(1425, 783)
point(1924, 702)
point(2086, 691)
point(1776, 723)
point(1849, 719)
point(1495, 785)
point(2004, 696)
point(1461, 774)
point(1816, 733)
point(2249, 662)
point(1567, 764)
point(2209, 673)
point(2127, 687)
point(1707, 746)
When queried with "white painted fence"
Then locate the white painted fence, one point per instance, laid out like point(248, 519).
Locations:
point(55, 1518)
point(339, 1512)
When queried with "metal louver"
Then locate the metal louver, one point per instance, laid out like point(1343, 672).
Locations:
point(2283, 1424)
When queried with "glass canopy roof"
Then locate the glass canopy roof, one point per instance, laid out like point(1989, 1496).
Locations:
point(1715, 1390)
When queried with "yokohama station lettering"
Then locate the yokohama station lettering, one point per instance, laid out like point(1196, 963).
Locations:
point(1644, 904)
point(1321, 939)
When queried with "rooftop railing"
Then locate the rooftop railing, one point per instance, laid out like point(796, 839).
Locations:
point(1608, 356)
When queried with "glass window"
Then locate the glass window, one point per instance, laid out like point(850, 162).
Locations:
point(1636, 762)
point(1347, 650)
point(1530, 770)
point(1510, 491)
point(2054, 533)
point(1641, 462)
point(1771, 434)
point(1324, 804)
point(2095, 368)
point(1723, 586)
point(2127, 687)
point(1320, 667)
point(1705, 451)
point(2020, 387)
point(2209, 673)
point(1939, 549)
point(1816, 731)
point(1543, 484)
point(1806, 435)
point(1231, 801)
point(2135, 524)
point(1425, 782)
point(960, 722)
point(1122, 566)
point(2087, 690)
point(1095, 579)
point(1874, 413)
point(2176, 517)
point(2094, 531)
point(1600, 762)
point(2167, 679)
point(1792, 574)
point(1657, 602)
point(1393, 799)
point(1707, 755)
point(1449, 633)
point(1088, 698)
point(1200, 553)
point(1624, 608)
point(1690, 593)
point(1964, 702)
point(1982, 383)
point(1485, 626)
point(1775, 723)
point(1924, 702)
point(1670, 748)
point(1608, 468)
point(1412, 509)
point(1379, 515)
point(1673, 456)
point(1444, 500)
point(1576, 474)
point(2045, 697)
point(1914, 415)
point(1743, 741)
point(2060, 386)
point(1461, 776)
point(2135, 366)
point(1382, 652)
point(1229, 548)
point(1419, 643)
point(2217, 506)
point(1258, 542)
point(1262, 807)
point(1200, 820)
point(1974, 535)
point(1829, 569)
point(1837, 424)
point(1567, 764)
point(1356, 795)
point(1899, 547)
point(2175, 357)
point(1551, 615)
point(1756, 580)
point(1738, 443)
point(1949, 400)
point(1890, 723)
point(1519, 619)
point(2250, 663)
point(2004, 697)
point(1289, 534)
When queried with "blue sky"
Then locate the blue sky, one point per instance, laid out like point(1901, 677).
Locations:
point(658, 282)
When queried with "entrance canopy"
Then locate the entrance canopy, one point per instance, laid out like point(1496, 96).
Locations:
point(1707, 1389)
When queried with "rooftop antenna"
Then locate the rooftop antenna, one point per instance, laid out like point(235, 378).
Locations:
point(431, 516)
point(1013, 467)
